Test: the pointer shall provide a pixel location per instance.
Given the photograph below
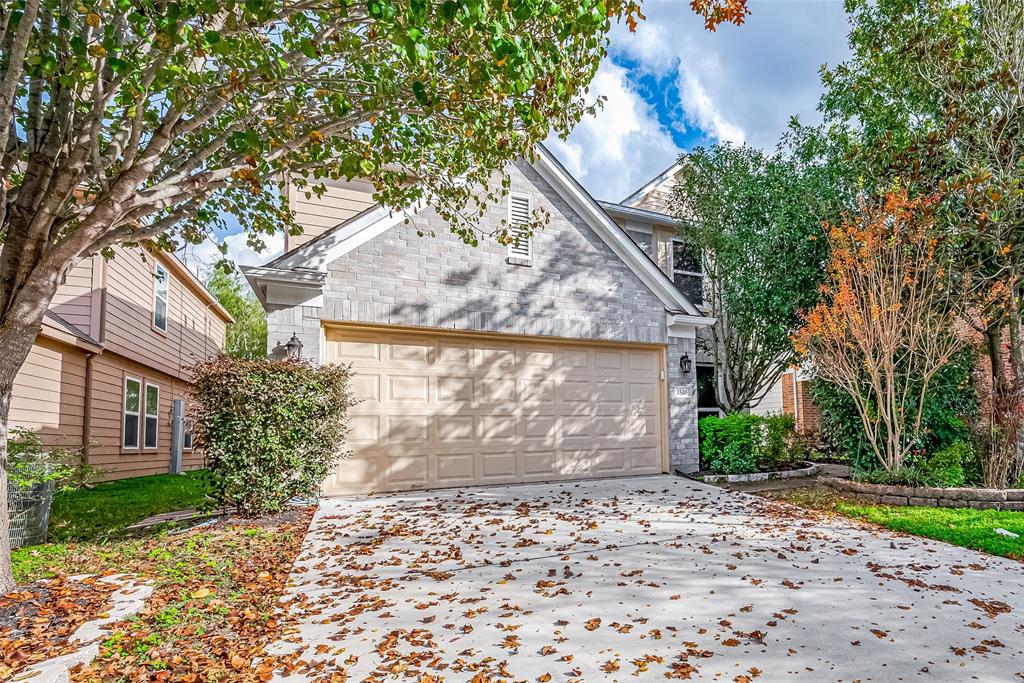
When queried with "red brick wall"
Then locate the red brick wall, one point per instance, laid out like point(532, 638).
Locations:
point(808, 417)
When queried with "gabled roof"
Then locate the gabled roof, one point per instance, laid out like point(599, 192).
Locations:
point(316, 254)
point(651, 185)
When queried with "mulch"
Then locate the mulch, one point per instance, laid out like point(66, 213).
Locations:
point(37, 621)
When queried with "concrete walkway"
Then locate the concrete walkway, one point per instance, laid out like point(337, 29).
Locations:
point(650, 578)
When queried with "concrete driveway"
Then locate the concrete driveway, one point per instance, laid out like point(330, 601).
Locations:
point(650, 578)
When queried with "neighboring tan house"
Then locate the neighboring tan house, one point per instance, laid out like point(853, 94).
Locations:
point(790, 395)
point(560, 357)
point(112, 356)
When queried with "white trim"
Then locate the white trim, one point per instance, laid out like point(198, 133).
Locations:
point(653, 183)
point(125, 412)
point(317, 254)
point(685, 326)
point(146, 416)
point(156, 297)
point(614, 236)
point(510, 253)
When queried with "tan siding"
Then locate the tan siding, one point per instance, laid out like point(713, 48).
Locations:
point(74, 300)
point(49, 394)
point(316, 215)
point(658, 199)
point(193, 331)
point(109, 372)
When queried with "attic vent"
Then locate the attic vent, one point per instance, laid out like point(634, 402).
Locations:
point(520, 248)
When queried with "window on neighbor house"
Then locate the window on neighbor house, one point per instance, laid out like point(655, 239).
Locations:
point(688, 271)
point(162, 288)
point(152, 424)
point(187, 437)
point(132, 409)
point(520, 211)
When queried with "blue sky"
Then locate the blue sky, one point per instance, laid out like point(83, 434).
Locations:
point(672, 86)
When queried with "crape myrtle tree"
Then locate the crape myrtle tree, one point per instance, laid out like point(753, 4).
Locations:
point(143, 122)
point(756, 220)
point(932, 98)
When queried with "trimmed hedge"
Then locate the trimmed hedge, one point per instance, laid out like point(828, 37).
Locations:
point(742, 443)
point(270, 430)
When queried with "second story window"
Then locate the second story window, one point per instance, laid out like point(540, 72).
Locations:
point(162, 288)
point(688, 271)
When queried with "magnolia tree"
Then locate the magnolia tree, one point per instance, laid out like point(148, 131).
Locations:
point(755, 218)
point(125, 123)
point(890, 318)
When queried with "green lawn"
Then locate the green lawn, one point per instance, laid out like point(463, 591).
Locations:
point(90, 514)
point(959, 526)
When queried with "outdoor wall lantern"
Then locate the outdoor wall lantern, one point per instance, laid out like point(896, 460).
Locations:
point(293, 348)
point(685, 364)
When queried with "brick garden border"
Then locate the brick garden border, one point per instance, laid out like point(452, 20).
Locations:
point(911, 496)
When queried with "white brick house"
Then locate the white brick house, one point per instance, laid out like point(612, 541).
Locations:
point(556, 359)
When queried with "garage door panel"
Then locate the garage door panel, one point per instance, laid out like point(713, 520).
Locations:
point(455, 468)
point(441, 410)
point(408, 388)
point(496, 428)
point(455, 389)
point(498, 466)
point(455, 429)
point(409, 470)
point(401, 429)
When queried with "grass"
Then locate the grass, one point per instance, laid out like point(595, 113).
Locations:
point(216, 598)
point(109, 507)
point(964, 527)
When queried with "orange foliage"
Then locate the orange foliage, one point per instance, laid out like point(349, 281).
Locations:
point(717, 12)
point(889, 317)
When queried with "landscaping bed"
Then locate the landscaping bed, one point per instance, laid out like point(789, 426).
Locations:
point(216, 592)
point(927, 496)
point(807, 469)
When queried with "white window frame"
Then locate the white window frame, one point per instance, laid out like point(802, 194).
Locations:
point(672, 267)
point(146, 416)
point(166, 298)
point(188, 435)
point(518, 257)
point(125, 412)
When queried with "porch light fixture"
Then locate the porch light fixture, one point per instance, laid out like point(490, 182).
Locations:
point(685, 364)
point(293, 348)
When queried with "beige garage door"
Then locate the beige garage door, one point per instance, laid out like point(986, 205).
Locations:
point(445, 410)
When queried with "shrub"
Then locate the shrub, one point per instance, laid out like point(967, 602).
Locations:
point(951, 404)
point(271, 430)
point(741, 443)
point(716, 433)
point(29, 462)
point(951, 467)
point(734, 459)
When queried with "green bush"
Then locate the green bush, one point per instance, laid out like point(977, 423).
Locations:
point(742, 443)
point(29, 462)
point(270, 430)
point(734, 459)
point(950, 467)
point(950, 406)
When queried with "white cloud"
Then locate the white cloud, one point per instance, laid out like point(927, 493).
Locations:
point(200, 258)
point(621, 147)
point(739, 84)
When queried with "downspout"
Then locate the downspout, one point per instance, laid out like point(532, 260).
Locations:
point(87, 422)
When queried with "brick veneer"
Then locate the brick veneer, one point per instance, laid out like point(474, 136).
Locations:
point(421, 275)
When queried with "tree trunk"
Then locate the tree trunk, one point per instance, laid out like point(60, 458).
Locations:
point(18, 329)
point(6, 574)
